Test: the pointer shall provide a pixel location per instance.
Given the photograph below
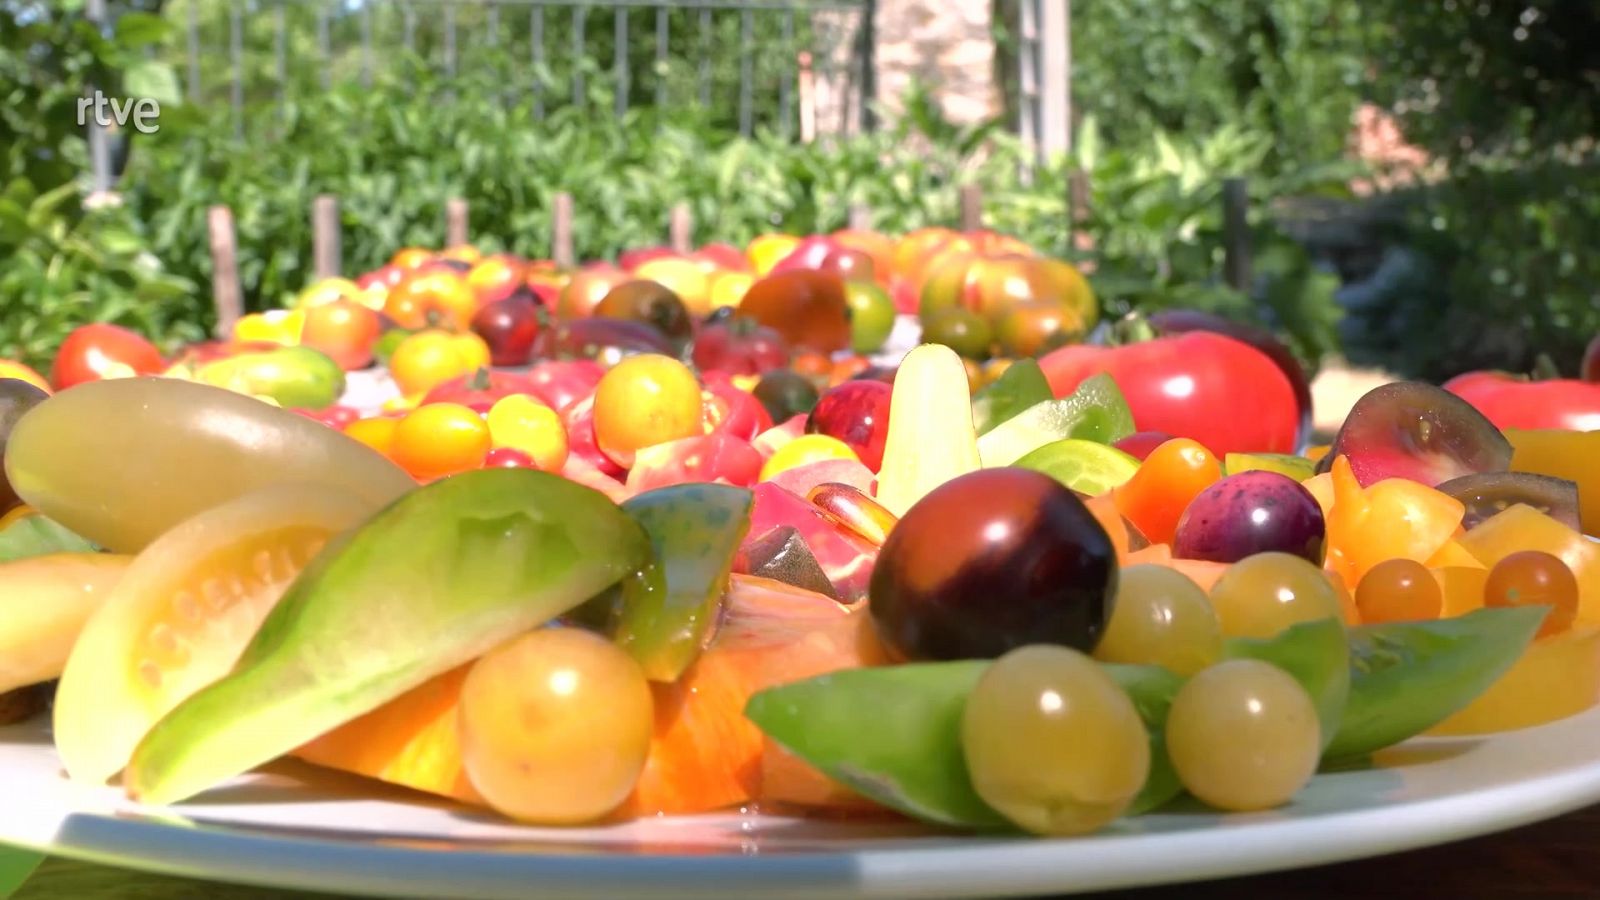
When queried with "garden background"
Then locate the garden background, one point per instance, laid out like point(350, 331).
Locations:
point(1469, 242)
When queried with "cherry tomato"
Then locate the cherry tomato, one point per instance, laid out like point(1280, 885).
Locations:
point(97, 351)
point(521, 423)
point(1512, 402)
point(427, 359)
point(739, 347)
point(344, 330)
point(1535, 578)
point(1167, 481)
point(1192, 385)
point(440, 439)
point(646, 399)
point(376, 432)
point(741, 415)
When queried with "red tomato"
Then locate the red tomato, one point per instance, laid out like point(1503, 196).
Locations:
point(479, 390)
point(1221, 392)
point(1512, 402)
point(739, 347)
point(744, 417)
point(717, 456)
point(562, 384)
point(336, 416)
point(94, 352)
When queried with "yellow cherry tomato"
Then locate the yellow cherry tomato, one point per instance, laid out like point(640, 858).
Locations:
point(377, 432)
point(523, 423)
point(429, 358)
point(808, 448)
point(646, 400)
point(440, 439)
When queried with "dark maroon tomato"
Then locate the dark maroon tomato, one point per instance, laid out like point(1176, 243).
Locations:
point(606, 341)
point(1590, 369)
point(875, 372)
point(1179, 321)
point(16, 397)
point(1141, 444)
point(739, 347)
point(1249, 513)
point(649, 302)
point(856, 412)
point(509, 327)
point(989, 562)
point(1489, 493)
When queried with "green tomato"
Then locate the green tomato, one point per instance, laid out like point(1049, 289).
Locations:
point(296, 377)
point(872, 315)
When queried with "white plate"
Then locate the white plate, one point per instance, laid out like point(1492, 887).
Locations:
point(297, 828)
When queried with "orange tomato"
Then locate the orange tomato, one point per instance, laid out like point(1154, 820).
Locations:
point(585, 289)
point(10, 368)
point(376, 432)
point(1522, 527)
point(1167, 481)
point(495, 277)
point(522, 423)
point(880, 247)
point(440, 439)
point(343, 329)
point(645, 400)
point(410, 258)
point(427, 359)
point(1394, 519)
point(432, 297)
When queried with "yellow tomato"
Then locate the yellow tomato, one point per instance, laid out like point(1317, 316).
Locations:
point(1522, 527)
point(683, 277)
point(728, 288)
point(279, 326)
point(767, 250)
point(429, 358)
point(646, 400)
point(807, 448)
point(1563, 454)
point(1556, 677)
point(523, 423)
point(440, 439)
point(377, 432)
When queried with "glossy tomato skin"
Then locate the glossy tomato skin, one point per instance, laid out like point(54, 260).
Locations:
point(739, 347)
point(479, 390)
point(561, 384)
point(1227, 395)
point(745, 417)
point(1178, 321)
point(1511, 402)
point(718, 456)
point(101, 350)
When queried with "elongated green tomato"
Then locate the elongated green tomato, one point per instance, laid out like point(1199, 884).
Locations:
point(44, 603)
point(180, 448)
point(434, 581)
point(1052, 742)
point(181, 615)
point(555, 726)
point(1243, 735)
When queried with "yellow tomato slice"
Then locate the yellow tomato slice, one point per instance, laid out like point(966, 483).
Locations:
point(1556, 677)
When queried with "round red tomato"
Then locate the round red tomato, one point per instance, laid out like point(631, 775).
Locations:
point(480, 389)
point(98, 351)
point(1512, 402)
point(1221, 392)
point(739, 413)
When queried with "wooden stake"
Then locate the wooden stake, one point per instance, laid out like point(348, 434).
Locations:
point(325, 250)
point(561, 230)
point(455, 222)
point(971, 207)
point(807, 89)
point(225, 294)
point(1078, 210)
point(680, 228)
point(860, 217)
point(1236, 233)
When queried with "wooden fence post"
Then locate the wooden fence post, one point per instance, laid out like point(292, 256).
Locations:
point(455, 222)
point(971, 207)
point(1078, 211)
point(325, 249)
point(561, 230)
point(860, 217)
point(680, 229)
point(225, 294)
point(1236, 233)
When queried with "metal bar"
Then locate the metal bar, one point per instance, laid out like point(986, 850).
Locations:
point(705, 56)
point(619, 60)
point(661, 56)
point(194, 50)
point(99, 150)
point(580, 15)
point(746, 65)
point(366, 45)
point(536, 39)
point(450, 40)
point(236, 58)
point(786, 75)
point(280, 53)
point(1236, 233)
point(324, 47)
